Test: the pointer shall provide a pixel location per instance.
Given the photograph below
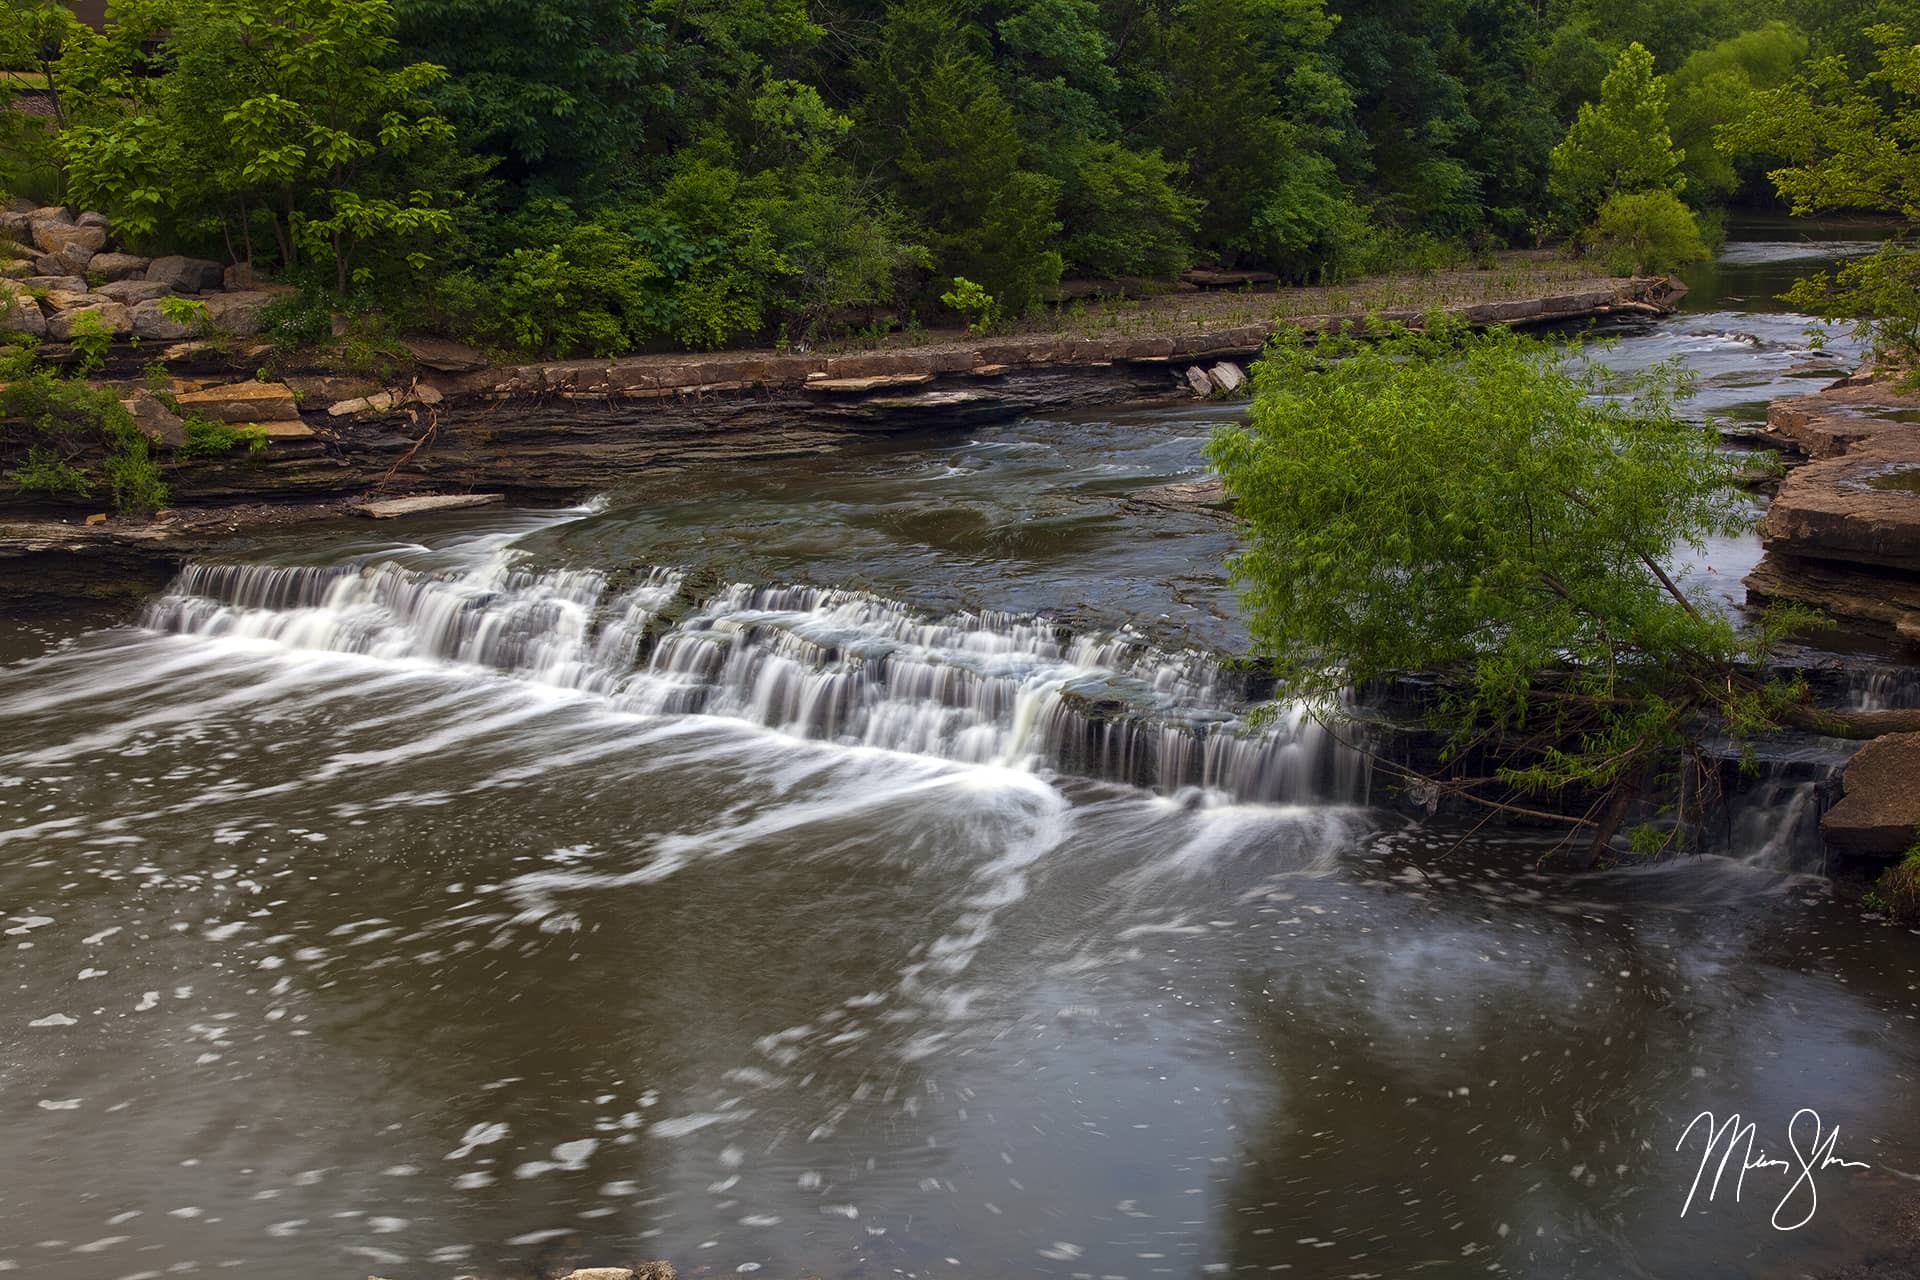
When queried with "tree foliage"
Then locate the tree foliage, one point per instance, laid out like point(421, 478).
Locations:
point(1620, 143)
point(1469, 505)
point(1851, 144)
point(282, 114)
point(816, 166)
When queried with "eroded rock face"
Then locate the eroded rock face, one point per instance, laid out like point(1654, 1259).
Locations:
point(186, 275)
point(241, 402)
point(1862, 508)
point(1880, 812)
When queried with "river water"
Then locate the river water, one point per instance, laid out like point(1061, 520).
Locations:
point(860, 867)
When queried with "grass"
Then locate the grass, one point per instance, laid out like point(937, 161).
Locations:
point(1511, 276)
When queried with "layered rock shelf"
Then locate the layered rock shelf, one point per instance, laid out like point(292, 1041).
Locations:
point(1843, 534)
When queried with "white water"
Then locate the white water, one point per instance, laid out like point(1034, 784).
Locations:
point(825, 664)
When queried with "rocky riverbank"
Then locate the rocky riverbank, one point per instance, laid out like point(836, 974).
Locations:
point(1843, 536)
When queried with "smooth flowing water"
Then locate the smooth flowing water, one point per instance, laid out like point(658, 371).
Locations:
point(864, 867)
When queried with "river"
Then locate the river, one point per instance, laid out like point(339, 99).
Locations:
point(858, 867)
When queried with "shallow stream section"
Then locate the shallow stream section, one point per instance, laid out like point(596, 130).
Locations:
point(864, 866)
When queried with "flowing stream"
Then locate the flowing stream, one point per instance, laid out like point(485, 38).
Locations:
point(866, 866)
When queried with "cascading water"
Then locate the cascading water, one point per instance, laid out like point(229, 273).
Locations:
point(818, 663)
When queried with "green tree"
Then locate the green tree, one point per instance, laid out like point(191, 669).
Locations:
point(1620, 143)
point(559, 91)
point(1466, 505)
point(1252, 106)
point(282, 113)
point(1712, 88)
point(1851, 144)
point(958, 161)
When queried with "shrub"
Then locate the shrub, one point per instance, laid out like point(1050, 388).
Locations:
point(45, 472)
point(207, 438)
point(1898, 889)
point(971, 301)
point(1645, 232)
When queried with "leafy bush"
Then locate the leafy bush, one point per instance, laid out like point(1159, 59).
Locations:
point(59, 419)
point(1467, 505)
point(1646, 232)
point(45, 472)
point(971, 301)
point(90, 340)
point(1124, 215)
point(207, 438)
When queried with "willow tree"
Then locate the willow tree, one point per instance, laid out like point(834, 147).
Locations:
point(1468, 506)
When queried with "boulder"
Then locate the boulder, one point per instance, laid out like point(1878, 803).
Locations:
point(260, 402)
point(64, 284)
point(1227, 377)
point(71, 260)
point(93, 219)
point(240, 313)
point(18, 269)
point(19, 313)
point(68, 299)
point(132, 291)
point(149, 321)
point(157, 422)
point(112, 315)
point(117, 266)
point(1197, 379)
point(186, 275)
point(16, 228)
point(1880, 812)
point(50, 213)
point(54, 237)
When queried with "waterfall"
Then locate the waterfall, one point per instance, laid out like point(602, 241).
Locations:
point(819, 663)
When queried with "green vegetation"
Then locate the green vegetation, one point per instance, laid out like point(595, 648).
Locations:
point(59, 422)
point(1643, 232)
point(1898, 890)
point(1852, 143)
point(207, 438)
point(1466, 505)
point(601, 176)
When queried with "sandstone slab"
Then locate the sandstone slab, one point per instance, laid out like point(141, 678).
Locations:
point(157, 422)
point(242, 402)
point(54, 237)
point(149, 321)
point(1862, 507)
point(1880, 812)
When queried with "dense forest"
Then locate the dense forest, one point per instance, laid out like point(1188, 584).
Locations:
point(607, 175)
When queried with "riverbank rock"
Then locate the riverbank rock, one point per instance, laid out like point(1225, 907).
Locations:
point(117, 266)
point(157, 422)
point(186, 275)
point(1886, 604)
point(1862, 507)
point(242, 402)
point(113, 317)
point(394, 508)
point(1880, 811)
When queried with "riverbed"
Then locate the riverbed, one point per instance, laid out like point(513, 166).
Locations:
point(861, 866)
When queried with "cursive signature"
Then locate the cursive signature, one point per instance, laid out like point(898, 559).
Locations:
point(1734, 1139)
